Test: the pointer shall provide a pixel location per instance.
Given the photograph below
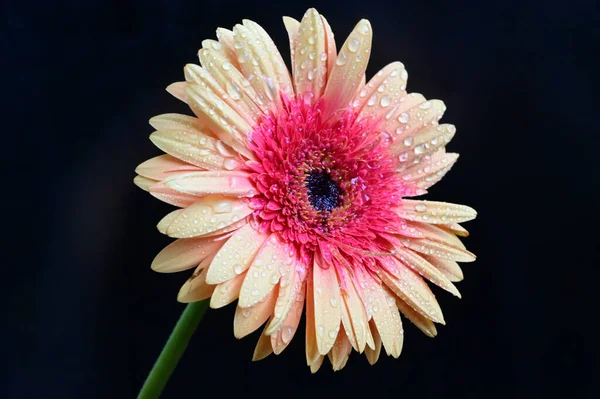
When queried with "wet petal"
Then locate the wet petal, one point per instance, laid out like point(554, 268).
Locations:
point(177, 90)
point(227, 124)
point(227, 292)
point(382, 95)
point(438, 249)
point(429, 171)
point(358, 316)
point(185, 253)
point(449, 268)
point(435, 212)
point(373, 354)
point(289, 287)
point(236, 255)
point(426, 269)
point(409, 123)
point(225, 37)
point(292, 26)
point(204, 217)
point(170, 196)
point(196, 148)
point(422, 323)
point(339, 352)
point(265, 271)
point(263, 348)
point(195, 288)
point(327, 301)
point(312, 351)
point(350, 67)
point(143, 182)
point(411, 288)
point(310, 58)
point(249, 319)
point(230, 183)
point(411, 150)
point(283, 336)
point(456, 229)
point(163, 166)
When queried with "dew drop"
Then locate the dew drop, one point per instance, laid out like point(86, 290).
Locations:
point(227, 66)
point(342, 58)
point(408, 141)
point(353, 45)
point(425, 105)
point(403, 118)
point(420, 207)
point(385, 101)
point(403, 157)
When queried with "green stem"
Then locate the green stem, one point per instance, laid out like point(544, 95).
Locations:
point(174, 348)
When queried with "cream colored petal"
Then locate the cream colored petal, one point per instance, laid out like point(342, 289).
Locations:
point(182, 123)
point(385, 315)
point(257, 65)
point(327, 300)
point(185, 253)
point(357, 313)
point(263, 348)
point(143, 182)
point(271, 261)
point(177, 90)
point(381, 96)
point(456, 229)
point(340, 352)
point(310, 57)
point(229, 183)
point(449, 268)
point(281, 70)
point(222, 81)
point(438, 249)
point(412, 121)
point(331, 49)
point(436, 233)
point(289, 287)
point(430, 170)
point(165, 222)
point(163, 166)
point(170, 196)
point(411, 288)
point(210, 214)
point(225, 37)
point(391, 119)
point(312, 351)
point(249, 319)
point(283, 336)
point(236, 255)
point(195, 288)
point(410, 151)
point(347, 324)
point(292, 26)
point(227, 124)
point(435, 212)
point(198, 149)
point(422, 323)
point(349, 69)
point(373, 354)
point(426, 269)
point(316, 365)
point(227, 292)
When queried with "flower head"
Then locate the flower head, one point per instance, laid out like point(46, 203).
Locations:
point(294, 192)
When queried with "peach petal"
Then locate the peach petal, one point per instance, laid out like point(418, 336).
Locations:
point(143, 182)
point(435, 212)
point(263, 347)
point(316, 365)
point(411, 288)
point(409, 124)
point(289, 287)
point(185, 253)
point(327, 302)
point(195, 288)
point(456, 229)
point(227, 292)
point(389, 123)
point(170, 196)
point(421, 322)
point(292, 26)
point(177, 90)
point(430, 170)
point(349, 69)
point(381, 97)
point(222, 84)
point(339, 352)
point(196, 148)
point(204, 217)
point(163, 166)
point(270, 263)
point(227, 124)
point(373, 353)
point(357, 313)
point(230, 183)
point(225, 37)
point(438, 249)
point(182, 123)
point(426, 269)
point(330, 47)
point(312, 351)
point(249, 319)
point(449, 268)
point(411, 150)
point(236, 255)
point(310, 58)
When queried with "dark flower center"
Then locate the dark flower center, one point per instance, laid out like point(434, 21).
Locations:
point(323, 192)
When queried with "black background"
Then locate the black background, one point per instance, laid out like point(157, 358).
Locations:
point(85, 315)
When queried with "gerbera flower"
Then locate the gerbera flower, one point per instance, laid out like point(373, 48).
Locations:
point(294, 192)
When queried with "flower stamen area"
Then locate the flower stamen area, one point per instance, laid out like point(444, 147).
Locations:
point(323, 180)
